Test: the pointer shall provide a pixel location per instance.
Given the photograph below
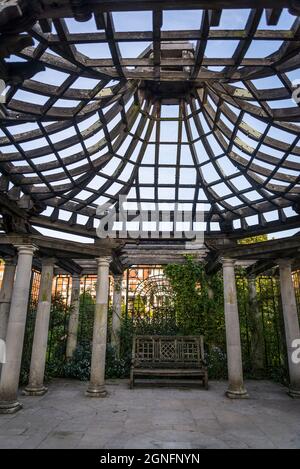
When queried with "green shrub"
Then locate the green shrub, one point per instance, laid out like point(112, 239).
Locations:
point(79, 367)
point(216, 363)
point(116, 367)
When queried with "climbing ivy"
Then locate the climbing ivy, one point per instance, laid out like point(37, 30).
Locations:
point(198, 299)
point(253, 239)
point(57, 338)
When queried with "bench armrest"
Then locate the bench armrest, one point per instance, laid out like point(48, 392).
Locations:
point(203, 362)
point(133, 351)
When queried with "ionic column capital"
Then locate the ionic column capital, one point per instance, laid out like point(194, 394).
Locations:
point(227, 262)
point(284, 262)
point(103, 261)
point(48, 261)
point(26, 248)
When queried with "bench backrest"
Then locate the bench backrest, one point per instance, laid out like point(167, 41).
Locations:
point(167, 351)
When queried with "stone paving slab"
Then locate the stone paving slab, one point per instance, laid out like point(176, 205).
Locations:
point(154, 418)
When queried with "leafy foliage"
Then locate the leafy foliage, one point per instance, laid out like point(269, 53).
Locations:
point(253, 239)
point(57, 338)
point(86, 316)
point(216, 363)
point(79, 367)
point(198, 300)
point(28, 339)
point(199, 308)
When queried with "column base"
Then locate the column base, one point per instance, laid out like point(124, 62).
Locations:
point(96, 391)
point(10, 407)
point(295, 393)
point(240, 394)
point(31, 391)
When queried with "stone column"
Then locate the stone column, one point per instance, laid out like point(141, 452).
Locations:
point(10, 375)
point(256, 328)
point(74, 317)
point(116, 313)
point(233, 340)
point(36, 386)
point(6, 294)
point(97, 381)
point(291, 322)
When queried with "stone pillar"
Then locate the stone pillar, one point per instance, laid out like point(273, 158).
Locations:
point(36, 386)
point(10, 375)
point(116, 313)
point(74, 317)
point(6, 294)
point(233, 340)
point(256, 328)
point(97, 381)
point(291, 322)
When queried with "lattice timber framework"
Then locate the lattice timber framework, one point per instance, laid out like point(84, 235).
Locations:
point(159, 108)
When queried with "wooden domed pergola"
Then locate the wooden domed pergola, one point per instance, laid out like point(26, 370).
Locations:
point(203, 118)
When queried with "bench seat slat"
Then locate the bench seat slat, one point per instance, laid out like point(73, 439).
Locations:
point(171, 372)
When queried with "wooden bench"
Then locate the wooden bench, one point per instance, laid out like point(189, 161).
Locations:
point(168, 356)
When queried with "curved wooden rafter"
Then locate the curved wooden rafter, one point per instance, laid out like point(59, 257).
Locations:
point(97, 147)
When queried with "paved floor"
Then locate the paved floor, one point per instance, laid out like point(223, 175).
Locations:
point(154, 418)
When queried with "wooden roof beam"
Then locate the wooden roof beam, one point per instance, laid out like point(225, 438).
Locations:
point(273, 16)
point(65, 8)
